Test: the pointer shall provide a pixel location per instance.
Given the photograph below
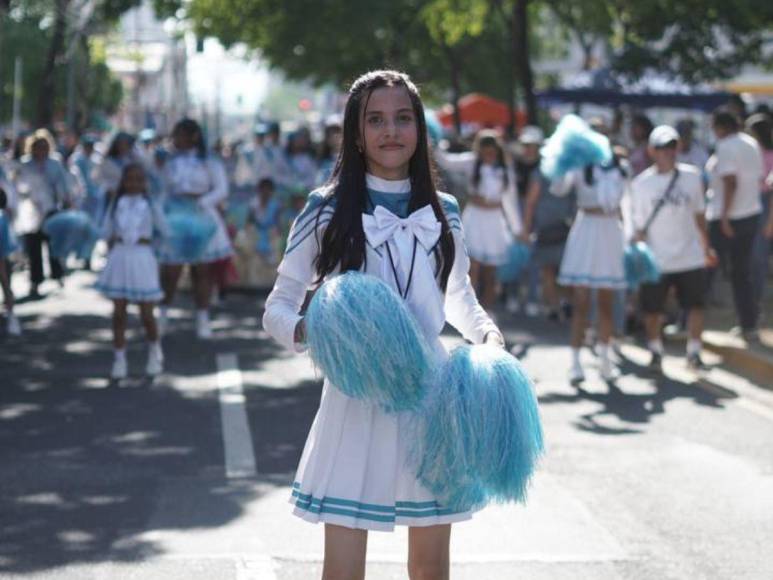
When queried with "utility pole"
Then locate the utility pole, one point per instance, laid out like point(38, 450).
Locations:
point(16, 118)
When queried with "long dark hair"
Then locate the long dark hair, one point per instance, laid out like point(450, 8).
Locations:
point(488, 138)
point(344, 240)
point(121, 191)
point(119, 137)
point(193, 129)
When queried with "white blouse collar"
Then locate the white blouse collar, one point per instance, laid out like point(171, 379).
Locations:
point(387, 185)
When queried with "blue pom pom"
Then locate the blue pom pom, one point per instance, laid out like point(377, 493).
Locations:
point(573, 145)
point(367, 343)
point(518, 256)
point(70, 232)
point(479, 436)
point(190, 228)
point(640, 265)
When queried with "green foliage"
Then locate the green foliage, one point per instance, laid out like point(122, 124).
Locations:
point(26, 32)
point(697, 40)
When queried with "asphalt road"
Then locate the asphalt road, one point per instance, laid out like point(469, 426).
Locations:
point(668, 478)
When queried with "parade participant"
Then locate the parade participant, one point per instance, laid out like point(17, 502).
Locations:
point(42, 185)
point(266, 213)
point(690, 151)
point(131, 273)
point(734, 208)
point(194, 178)
point(329, 150)
point(668, 213)
point(381, 214)
point(301, 166)
point(526, 174)
point(549, 212)
point(593, 255)
point(120, 154)
point(759, 126)
point(641, 126)
point(267, 158)
point(83, 163)
point(491, 217)
point(7, 247)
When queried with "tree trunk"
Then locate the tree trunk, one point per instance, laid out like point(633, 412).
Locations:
point(523, 58)
point(47, 89)
point(512, 91)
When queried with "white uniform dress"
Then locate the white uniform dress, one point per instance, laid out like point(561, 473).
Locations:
point(490, 231)
point(131, 272)
point(354, 471)
point(187, 173)
point(593, 256)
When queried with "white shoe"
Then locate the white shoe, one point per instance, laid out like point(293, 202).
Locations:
point(12, 325)
point(608, 371)
point(155, 361)
point(532, 310)
point(576, 374)
point(120, 368)
point(203, 329)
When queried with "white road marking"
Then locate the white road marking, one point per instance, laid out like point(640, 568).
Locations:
point(237, 439)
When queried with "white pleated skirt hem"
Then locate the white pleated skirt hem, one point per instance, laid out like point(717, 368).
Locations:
point(593, 254)
point(355, 515)
point(356, 471)
point(131, 273)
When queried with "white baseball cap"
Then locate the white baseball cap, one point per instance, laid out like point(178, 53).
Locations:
point(662, 135)
point(531, 135)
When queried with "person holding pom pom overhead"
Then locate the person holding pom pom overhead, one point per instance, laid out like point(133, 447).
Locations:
point(381, 215)
point(582, 159)
point(668, 213)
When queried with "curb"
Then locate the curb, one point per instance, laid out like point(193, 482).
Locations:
point(755, 360)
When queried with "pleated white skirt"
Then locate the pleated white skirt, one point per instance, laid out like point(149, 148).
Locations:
point(593, 255)
point(355, 470)
point(486, 234)
point(131, 273)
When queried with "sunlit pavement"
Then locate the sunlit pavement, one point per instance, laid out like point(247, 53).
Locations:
point(187, 477)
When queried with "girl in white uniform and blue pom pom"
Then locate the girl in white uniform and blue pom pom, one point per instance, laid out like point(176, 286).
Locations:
point(381, 215)
point(491, 217)
point(131, 273)
point(593, 257)
point(192, 176)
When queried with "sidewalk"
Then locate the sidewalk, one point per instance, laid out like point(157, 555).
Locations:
point(754, 360)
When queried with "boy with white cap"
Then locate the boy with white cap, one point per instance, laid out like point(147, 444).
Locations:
point(668, 213)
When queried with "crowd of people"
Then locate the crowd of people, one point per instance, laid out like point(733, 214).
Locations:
point(702, 211)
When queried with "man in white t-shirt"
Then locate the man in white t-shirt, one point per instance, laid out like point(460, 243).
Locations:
point(667, 212)
point(734, 207)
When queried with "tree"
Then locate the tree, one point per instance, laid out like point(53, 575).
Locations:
point(24, 32)
point(694, 40)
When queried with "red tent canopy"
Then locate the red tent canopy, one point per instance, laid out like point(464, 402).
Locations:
point(481, 110)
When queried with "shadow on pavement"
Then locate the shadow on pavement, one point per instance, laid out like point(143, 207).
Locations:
point(84, 463)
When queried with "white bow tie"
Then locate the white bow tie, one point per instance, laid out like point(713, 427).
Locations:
point(384, 225)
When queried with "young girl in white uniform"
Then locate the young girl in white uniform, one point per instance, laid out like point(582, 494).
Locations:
point(131, 273)
point(381, 215)
point(593, 257)
point(491, 217)
point(194, 177)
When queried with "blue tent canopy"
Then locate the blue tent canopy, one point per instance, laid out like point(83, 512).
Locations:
point(602, 87)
